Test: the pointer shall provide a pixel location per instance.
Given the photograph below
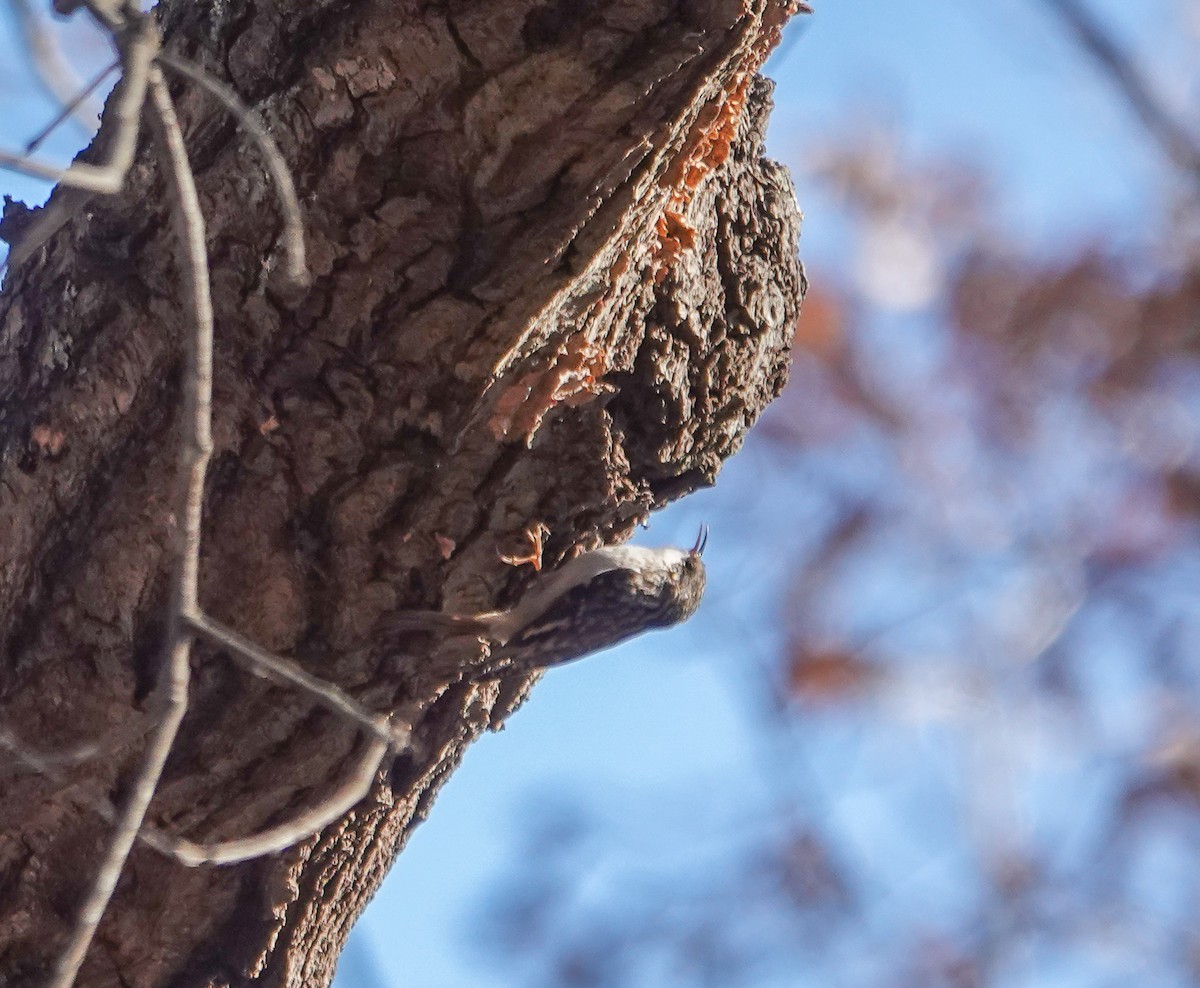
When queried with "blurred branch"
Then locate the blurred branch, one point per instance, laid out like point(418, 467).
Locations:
point(197, 447)
point(68, 109)
point(284, 670)
point(283, 835)
point(138, 45)
point(52, 67)
point(1179, 144)
point(252, 123)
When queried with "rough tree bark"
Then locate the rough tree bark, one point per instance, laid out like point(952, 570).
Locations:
point(555, 281)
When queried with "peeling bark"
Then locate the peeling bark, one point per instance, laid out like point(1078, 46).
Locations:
point(555, 281)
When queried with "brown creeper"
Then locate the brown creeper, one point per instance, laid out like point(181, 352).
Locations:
point(591, 602)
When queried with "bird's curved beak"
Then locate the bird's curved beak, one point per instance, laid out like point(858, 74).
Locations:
point(701, 541)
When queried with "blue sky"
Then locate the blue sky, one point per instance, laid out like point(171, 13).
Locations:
point(650, 727)
point(640, 735)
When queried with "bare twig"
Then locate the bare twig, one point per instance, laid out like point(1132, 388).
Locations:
point(70, 106)
point(197, 447)
point(110, 14)
point(285, 188)
point(136, 55)
point(191, 853)
point(138, 47)
point(279, 668)
point(137, 44)
point(45, 761)
point(1181, 146)
point(51, 67)
point(92, 178)
point(283, 835)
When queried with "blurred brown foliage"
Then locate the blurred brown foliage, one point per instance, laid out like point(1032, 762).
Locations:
point(1000, 606)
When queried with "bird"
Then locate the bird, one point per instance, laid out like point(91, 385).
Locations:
point(591, 602)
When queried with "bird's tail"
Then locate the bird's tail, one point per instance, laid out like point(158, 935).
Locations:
point(435, 622)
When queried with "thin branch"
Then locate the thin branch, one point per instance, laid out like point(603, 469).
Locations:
point(81, 175)
point(1181, 146)
point(253, 124)
point(51, 66)
point(71, 106)
point(137, 44)
point(286, 670)
point(191, 853)
point(45, 762)
point(137, 41)
point(109, 14)
point(197, 447)
point(283, 835)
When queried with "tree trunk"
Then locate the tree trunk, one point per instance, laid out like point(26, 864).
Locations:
point(555, 281)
